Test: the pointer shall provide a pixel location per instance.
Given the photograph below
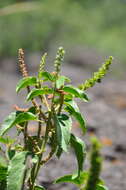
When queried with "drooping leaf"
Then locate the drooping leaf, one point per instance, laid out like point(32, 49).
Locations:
point(27, 81)
point(80, 151)
point(39, 188)
point(72, 104)
point(37, 92)
point(16, 171)
point(79, 181)
point(61, 80)
point(14, 119)
point(101, 187)
point(59, 152)
point(73, 109)
point(63, 127)
point(76, 92)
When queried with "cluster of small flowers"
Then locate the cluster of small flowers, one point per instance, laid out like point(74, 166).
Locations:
point(97, 76)
point(59, 59)
point(95, 168)
point(22, 64)
point(42, 63)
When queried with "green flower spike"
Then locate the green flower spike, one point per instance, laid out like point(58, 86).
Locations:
point(97, 76)
point(59, 59)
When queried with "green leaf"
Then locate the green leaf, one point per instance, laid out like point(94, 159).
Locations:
point(63, 127)
point(37, 92)
point(3, 160)
point(7, 140)
point(59, 152)
point(16, 171)
point(27, 81)
point(11, 153)
point(61, 80)
point(14, 119)
point(101, 187)
point(8, 122)
point(72, 104)
point(33, 110)
point(47, 76)
point(73, 109)
point(80, 151)
point(76, 92)
point(39, 188)
point(3, 173)
point(79, 181)
point(67, 179)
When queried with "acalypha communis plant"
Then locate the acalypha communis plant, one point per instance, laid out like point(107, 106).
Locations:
point(53, 106)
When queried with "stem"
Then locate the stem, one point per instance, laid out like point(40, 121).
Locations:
point(47, 131)
point(49, 156)
point(46, 103)
point(37, 166)
point(25, 135)
point(39, 124)
point(61, 103)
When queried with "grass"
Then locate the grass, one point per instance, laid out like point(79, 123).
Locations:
point(99, 25)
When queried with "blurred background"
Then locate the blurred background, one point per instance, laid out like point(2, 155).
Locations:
point(90, 31)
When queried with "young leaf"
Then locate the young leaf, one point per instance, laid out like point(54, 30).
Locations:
point(16, 171)
point(27, 81)
point(6, 140)
point(67, 179)
point(63, 127)
point(61, 80)
point(39, 188)
point(80, 152)
point(101, 187)
point(14, 119)
point(47, 76)
point(76, 92)
point(36, 92)
point(79, 181)
point(73, 109)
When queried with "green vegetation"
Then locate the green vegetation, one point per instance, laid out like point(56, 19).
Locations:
point(98, 24)
point(53, 108)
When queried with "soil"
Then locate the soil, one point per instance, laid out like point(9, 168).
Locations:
point(105, 116)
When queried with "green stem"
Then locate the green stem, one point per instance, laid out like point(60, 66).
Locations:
point(61, 103)
point(39, 125)
point(37, 166)
point(25, 135)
